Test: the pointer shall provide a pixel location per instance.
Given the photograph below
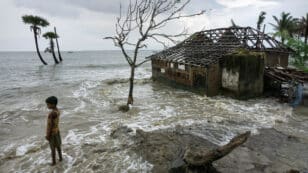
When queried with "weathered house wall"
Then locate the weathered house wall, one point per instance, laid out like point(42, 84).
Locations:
point(242, 74)
point(274, 59)
point(230, 79)
point(206, 80)
point(213, 80)
point(171, 72)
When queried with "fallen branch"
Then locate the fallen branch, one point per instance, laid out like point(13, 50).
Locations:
point(206, 157)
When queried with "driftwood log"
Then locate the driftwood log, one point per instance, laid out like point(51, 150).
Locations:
point(195, 157)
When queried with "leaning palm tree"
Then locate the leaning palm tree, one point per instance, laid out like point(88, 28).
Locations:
point(36, 22)
point(285, 26)
point(51, 49)
point(59, 53)
point(261, 20)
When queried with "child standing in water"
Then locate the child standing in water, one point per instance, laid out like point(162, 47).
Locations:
point(52, 131)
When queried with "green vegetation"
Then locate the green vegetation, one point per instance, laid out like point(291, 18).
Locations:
point(285, 26)
point(292, 32)
point(36, 22)
point(300, 54)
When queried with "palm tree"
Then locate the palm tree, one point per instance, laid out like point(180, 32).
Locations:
point(233, 24)
point(285, 26)
point(51, 49)
point(59, 53)
point(261, 20)
point(303, 27)
point(36, 22)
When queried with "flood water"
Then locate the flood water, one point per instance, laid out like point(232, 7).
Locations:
point(90, 86)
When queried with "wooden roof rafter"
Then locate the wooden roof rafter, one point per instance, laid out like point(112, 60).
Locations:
point(209, 46)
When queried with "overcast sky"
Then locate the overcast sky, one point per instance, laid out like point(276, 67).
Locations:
point(82, 24)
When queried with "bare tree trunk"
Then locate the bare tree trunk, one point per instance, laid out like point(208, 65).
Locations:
point(130, 99)
point(52, 47)
point(59, 53)
point(37, 48)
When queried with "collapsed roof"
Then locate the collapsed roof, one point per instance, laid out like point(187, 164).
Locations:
point(209, 46)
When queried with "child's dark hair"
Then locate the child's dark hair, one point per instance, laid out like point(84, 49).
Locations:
point(52, 100)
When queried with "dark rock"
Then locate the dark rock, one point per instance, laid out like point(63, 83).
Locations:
point(293, 171)
point(100, 150)
point(120, 131)
point(124, 108)
point(165, 150)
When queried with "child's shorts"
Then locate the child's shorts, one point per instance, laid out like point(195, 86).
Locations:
point(55, 140)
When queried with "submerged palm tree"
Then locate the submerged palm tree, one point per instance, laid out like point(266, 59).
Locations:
point(36, 22)
point(51, 49)
point(285, 26)
point(59, 53)
point(261, 20)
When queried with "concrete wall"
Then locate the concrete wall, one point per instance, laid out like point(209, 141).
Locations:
point(242, 74)
point(230, 79)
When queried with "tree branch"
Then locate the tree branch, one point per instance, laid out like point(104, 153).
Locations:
point(147, 60)
point(119, 44)
point(146, 18)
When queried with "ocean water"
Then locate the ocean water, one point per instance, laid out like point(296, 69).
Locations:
point(90, 86)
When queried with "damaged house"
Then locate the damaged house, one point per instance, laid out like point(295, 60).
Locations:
point(229, 60)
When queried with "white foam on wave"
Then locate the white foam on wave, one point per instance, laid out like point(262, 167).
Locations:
point(81, 106)
point(84, 87)
point(223, 116)
point(72, 138)
point(95, 134)
point(23, 149)
point(136, 165)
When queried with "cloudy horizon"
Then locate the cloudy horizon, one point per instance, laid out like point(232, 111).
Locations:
point(83, 24)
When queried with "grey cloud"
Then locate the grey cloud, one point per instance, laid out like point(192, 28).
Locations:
point(70, 8)
point(52, 8)
point(110, 6)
